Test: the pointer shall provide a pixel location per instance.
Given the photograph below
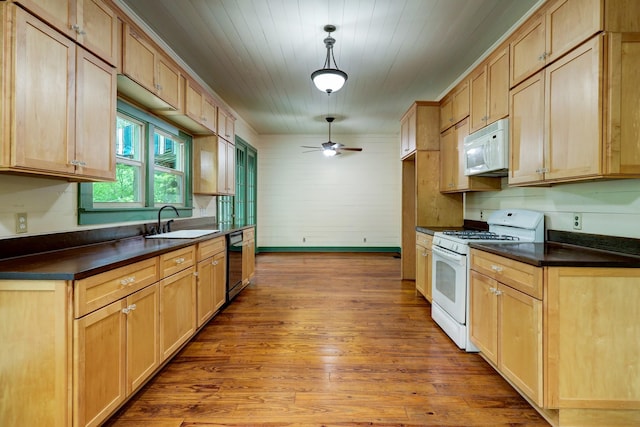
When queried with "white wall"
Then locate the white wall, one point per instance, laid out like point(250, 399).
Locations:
point(333, 202)
point(52, 205)
point(607, 207)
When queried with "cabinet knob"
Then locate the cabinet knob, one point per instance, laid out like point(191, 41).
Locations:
point(496, 268)
point(214, 262)
point(179, 260)
point(127, 281)
point(129, 309)
point(78, 30)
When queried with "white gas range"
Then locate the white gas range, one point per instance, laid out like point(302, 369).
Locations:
point(450, 272)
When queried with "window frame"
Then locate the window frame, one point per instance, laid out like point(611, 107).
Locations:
point(90, 215)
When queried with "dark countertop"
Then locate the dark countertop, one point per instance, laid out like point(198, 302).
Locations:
point(84, 261)
point(552, 254)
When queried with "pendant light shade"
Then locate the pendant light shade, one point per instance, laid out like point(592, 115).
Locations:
point(329, 79)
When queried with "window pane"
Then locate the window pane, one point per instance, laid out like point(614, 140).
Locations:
point(168, 152)
point(128, 138)
point(126, 189)
point(168, 188)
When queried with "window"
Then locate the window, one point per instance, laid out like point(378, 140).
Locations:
point(152, 159)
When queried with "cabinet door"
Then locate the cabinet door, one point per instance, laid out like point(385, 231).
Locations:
point(526, 131)
point(231, 168)
point(96, 117)
point(209, 113)
point(205, 290)
point(461, 131)
point(99, 364)
point(408, 133)
point(423, 271)
point(169, 87)
point(569, 23)
point(448, 160)
point(527, 51)
point(143, 335)
point(573, 111)
point(461, 102)
point(138, 59)
point(478, 99)
point(205, 165)
point(446, 113)
point(498, 87)
point(248, 259)
point(219, 280)
point(177, 311)
point(520, 341)
point(483, 323)
point(97, 29)
point(44, 103)
point(58, 13)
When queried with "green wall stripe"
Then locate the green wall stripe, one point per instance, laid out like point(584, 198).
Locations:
point(329, 249)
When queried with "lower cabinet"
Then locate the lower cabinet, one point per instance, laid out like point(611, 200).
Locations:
point(211, 285)
point(248, 255)
point(566, 338)
point(423, 264)
point(177, 310)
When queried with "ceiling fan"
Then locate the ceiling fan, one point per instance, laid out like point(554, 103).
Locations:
point(330, 148)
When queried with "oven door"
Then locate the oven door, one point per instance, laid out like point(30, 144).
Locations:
point(449, 278)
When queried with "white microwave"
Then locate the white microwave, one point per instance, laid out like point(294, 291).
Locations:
point(486, 152)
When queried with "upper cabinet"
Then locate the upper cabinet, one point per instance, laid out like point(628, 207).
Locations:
point(149, 77)
point(418, 128)
point(200, 107)
point(489, 91)
point(562, 25)
point(61, 114)
point(226, 125)
point(91, 23)
point(455, 106)
point(557, 131)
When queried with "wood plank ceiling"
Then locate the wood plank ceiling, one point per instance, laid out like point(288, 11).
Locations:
point(257, 55)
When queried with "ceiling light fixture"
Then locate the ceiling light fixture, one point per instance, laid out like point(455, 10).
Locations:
point(329, 79)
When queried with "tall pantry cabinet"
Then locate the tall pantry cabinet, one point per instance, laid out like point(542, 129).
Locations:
point(422, 202)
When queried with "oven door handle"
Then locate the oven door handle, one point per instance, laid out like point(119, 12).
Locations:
point(447, 254)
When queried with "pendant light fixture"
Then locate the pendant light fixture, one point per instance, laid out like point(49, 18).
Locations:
point(329, 79)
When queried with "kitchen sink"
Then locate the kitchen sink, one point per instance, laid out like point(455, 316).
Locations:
point(182, 234)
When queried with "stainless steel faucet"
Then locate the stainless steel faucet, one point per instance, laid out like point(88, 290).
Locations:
point(167, 227)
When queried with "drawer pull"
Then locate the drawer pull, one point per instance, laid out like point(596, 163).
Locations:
point(179, 260)
point(496, 268)
point(127, 281)
point(129, 309)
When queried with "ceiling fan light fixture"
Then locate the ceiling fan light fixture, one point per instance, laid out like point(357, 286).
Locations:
point(329, 79)
point(329, 152)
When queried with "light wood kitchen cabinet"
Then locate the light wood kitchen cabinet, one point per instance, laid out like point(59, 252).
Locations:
point(455, 106)
point(452, 177)
point(201, 108)
point(422, 202)
point(148, 76)
point(142, 311)
point(213, 165)
point(523, 320)
point(59, 93)
point(414, 129)
point(91, 23)
point(36, 354)
point(248, 255)
point(177, 311)
point(560, 26)
point(489, 91)
point(99, 360)
point(226, 167)
point(558, 133)
point(211, 278)
point(226, 125)
point(423, 264)
point(506, 323)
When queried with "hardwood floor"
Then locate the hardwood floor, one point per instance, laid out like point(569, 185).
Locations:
point(326, 339)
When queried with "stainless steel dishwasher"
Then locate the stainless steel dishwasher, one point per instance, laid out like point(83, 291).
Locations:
point(234, 264)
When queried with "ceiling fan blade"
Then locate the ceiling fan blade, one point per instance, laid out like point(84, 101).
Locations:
point(349, 149)
point(309, 146)
point(311, 151)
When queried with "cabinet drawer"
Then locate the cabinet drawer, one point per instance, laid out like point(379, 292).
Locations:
point(104, 288)
point(523, 277)
point(210, 248)
point(424, 240)
point(172, 262)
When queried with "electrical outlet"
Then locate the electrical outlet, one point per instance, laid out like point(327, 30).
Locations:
point(577, 221)
point(481, 214)
point(364, 240)
point(304, 239)
point(21, 222)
